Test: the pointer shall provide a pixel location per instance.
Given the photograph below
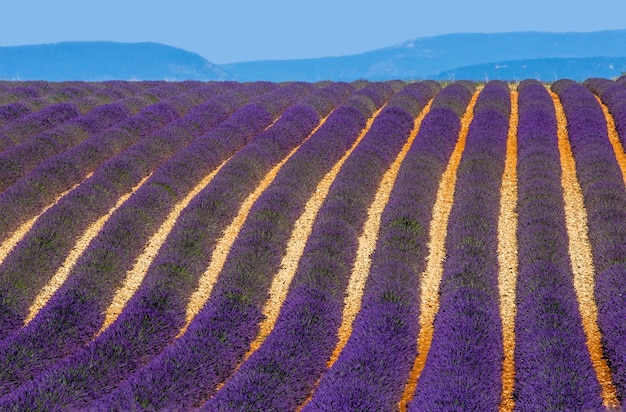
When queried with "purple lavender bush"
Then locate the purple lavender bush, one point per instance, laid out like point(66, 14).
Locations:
point(282, 373)
point(604, 196)
point(52, 177)
point(75, 312)
point(154, 316)
point(373, 367)
point(553, 367)
point(16, 161)
point(235, 308)
point(613, 95)
point(12, 111)
point(463, 368)
point(29, 125)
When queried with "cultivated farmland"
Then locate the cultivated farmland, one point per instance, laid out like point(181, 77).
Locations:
point(366, 246)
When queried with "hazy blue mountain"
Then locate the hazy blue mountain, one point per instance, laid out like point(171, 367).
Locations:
point(511, 56)
point(547, 70)
point(429, 56)
point(98, 61)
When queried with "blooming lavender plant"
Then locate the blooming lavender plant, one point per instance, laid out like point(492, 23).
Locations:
point(463, 368)
point(12, 111)
point(229, 321)
point(604, 196)
point(87, 292)
point(43, 184)
point(284, 370)
point(373, 367)
point(154, 316)
point(16, 161)
point(553, 367)
point(613, 95)
point(24, 127)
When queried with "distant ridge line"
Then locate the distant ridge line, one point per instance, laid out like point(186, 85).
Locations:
point(472, 56)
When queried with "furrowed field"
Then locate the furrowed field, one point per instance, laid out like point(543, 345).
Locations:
point(313, 247)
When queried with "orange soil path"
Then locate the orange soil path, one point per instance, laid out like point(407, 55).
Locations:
point(507, 259)
point(431, 277)
point(224, 244)
point(79, 248)
point(581, 257)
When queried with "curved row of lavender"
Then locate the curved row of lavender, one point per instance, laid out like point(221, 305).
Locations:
point(553, 369)
point(373, 368)
point(44, 248)
point(75, 313)
point(613, 95)
point(156, 313)
point(224, 328)
point(25, 127)
point(604, 195)
point(39, 94)
point(464, 365)
point(21, 100)
point(13, 111)
point(65, 103)
point(284, 370)
point(18, 160)
point(57, 174)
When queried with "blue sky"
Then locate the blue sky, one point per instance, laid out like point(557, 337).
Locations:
point(236, 30)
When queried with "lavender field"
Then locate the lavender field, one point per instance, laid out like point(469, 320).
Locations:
point(365, 246)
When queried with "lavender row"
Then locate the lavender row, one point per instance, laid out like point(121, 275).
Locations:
point(75, 312)
point(552, 363)
point(604, 196)
point(43, 93)
point(283, 372)
point(373, 367)
point(57, 174)
point(156, 313)
point(18, 160)
point(27, 126)
point(12, 111)
point(235, 308)
point(35, 259)
point(613, 95)
point(464, 363)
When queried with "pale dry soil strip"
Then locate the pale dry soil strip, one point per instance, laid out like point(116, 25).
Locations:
point(507, 259)
point(431, 277)
point(295, 246)
point(581, 256)
point(70, 261)
point(224, 244)
point(618, 149)
point(135, 276)
point(9, 243)
point(367, 242)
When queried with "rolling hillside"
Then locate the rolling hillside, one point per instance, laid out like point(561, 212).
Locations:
point(506, 56)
